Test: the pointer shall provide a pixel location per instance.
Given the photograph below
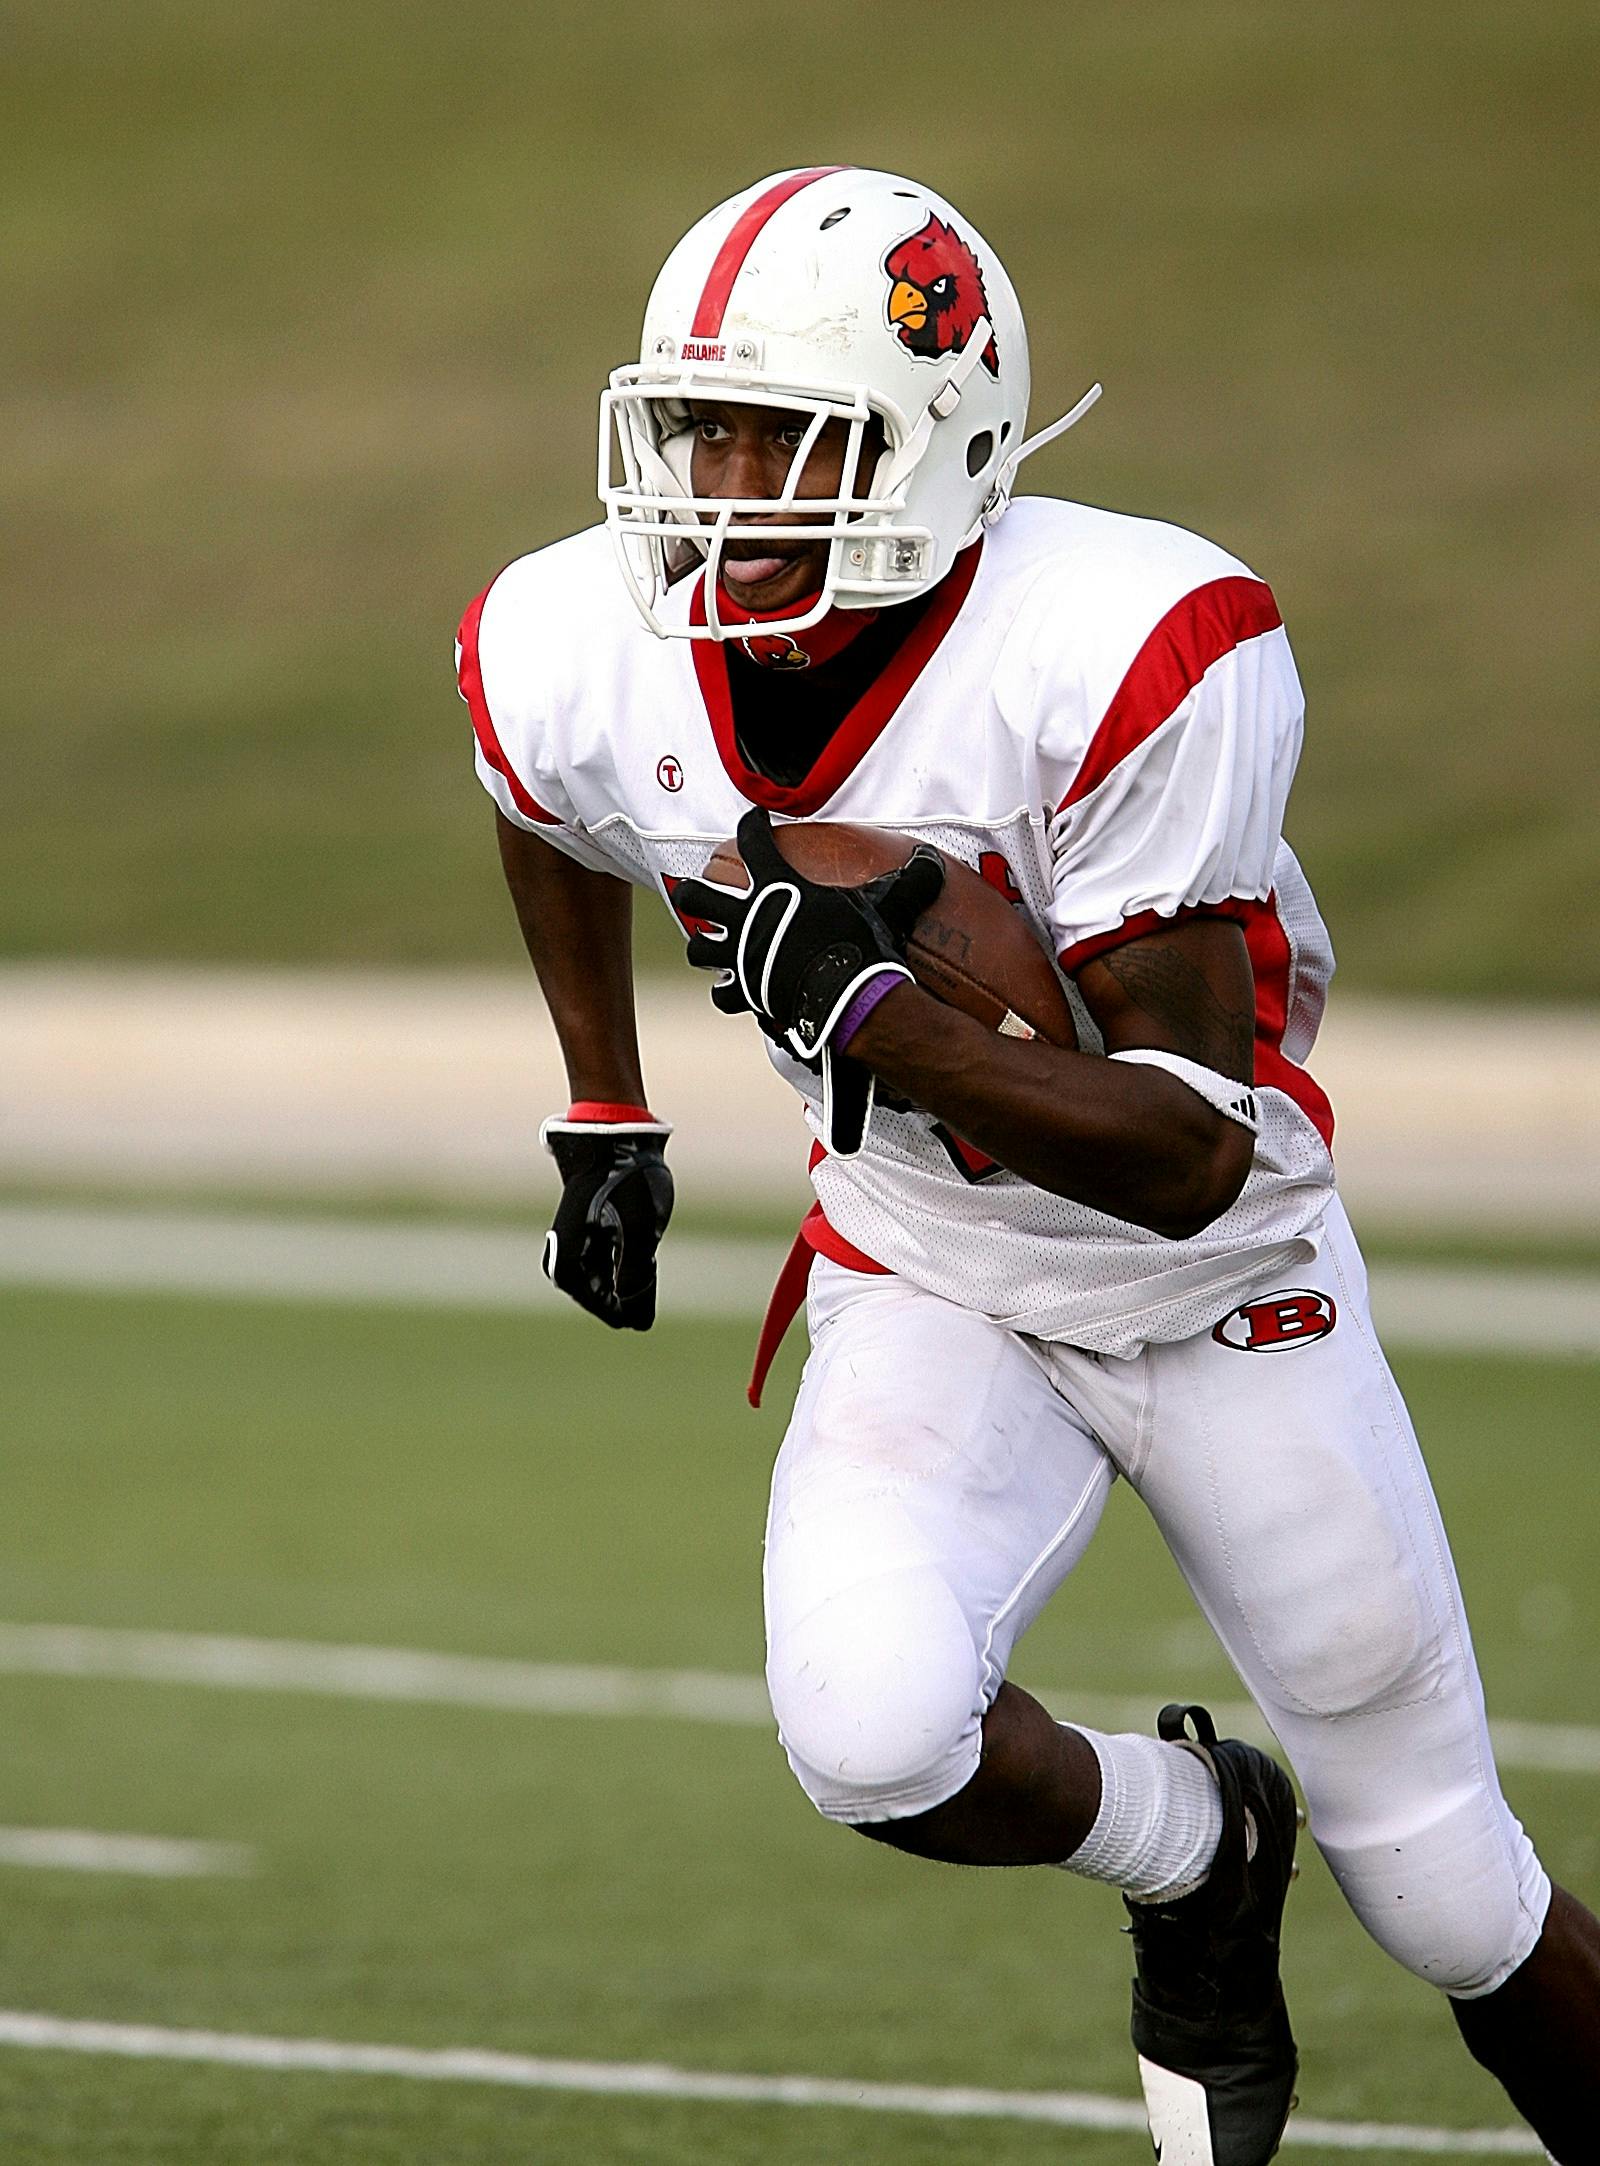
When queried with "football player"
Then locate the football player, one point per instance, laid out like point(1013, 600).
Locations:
point(1029, 1270)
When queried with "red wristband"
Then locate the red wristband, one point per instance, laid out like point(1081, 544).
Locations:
point(595, 1109)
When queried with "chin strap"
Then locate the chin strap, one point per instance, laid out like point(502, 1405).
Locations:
point(939, 408)
point(1005, 481)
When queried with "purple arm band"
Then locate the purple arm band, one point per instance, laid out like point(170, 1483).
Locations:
point(862, 1006)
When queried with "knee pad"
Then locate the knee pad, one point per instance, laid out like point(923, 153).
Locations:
point(1338, 1615)
point(878, 1697)
point(1459, 1898)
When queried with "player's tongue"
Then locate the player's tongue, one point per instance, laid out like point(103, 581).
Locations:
point(751, 571)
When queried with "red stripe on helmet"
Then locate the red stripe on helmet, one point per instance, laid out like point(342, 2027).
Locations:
point(729, 260)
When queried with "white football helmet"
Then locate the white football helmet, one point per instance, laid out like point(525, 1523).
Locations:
point(846, 295)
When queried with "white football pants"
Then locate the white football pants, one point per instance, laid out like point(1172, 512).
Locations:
point(941, 1477)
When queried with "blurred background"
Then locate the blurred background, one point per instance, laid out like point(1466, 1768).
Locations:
point(309, 310)
point(311, 304)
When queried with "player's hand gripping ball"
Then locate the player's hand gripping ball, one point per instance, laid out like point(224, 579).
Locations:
point(794, 951)
point(616, 1199)
point(967, 944)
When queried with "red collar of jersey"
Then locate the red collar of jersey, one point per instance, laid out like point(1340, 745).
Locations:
point(861, 727)
point(819, 642)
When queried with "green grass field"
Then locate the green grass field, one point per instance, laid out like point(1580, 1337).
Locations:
point(619, 1889)
point(310, 305)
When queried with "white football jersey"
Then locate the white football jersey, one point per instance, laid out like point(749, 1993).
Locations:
point(1101, 715)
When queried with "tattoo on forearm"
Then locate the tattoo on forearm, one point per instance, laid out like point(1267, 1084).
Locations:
point(1167, 987)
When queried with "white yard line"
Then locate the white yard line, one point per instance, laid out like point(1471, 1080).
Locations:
point(231, 1254)
point(1461, 1308)
point(379, 1673)
point(574, 1688)
point(237, 1254)
point(635, 2079)
point(157, 1857)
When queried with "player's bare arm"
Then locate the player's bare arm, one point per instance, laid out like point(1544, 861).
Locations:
point(577, 926)
point(1131, 1141)
point(616, 1192)
point(1189, 990)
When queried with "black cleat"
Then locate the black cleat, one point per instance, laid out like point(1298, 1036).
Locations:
point(1216, 2056)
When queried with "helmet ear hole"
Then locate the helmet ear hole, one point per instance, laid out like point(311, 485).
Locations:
point(979, 452)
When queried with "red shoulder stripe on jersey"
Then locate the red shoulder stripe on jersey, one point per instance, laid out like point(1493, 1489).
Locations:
point(861, 727)
point(1193, 635)
point(729, 259)
point(1270, 958)
point(470, 678)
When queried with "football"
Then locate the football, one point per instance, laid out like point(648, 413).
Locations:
point(970, 948)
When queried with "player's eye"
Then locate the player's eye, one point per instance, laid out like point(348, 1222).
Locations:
point(793, 435)
point(709, 431)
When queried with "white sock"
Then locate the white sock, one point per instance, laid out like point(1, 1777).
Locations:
point(1159, 1822)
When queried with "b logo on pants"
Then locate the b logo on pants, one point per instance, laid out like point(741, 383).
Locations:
point(1277, 1323)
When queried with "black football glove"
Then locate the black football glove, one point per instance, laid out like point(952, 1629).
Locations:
point(794, 953)
point(616, 1199)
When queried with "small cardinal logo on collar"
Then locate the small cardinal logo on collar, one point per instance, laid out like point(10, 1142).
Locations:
point(776, 650)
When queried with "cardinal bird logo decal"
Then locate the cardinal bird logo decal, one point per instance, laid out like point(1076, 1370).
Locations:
point(936, 294)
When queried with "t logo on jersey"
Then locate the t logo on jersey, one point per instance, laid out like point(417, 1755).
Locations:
point(1280, 1321)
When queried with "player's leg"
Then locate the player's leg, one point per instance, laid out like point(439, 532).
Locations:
point(932, 1493)
point(1539, 2032)
point(1289, 1486)
point(1031, 1800)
